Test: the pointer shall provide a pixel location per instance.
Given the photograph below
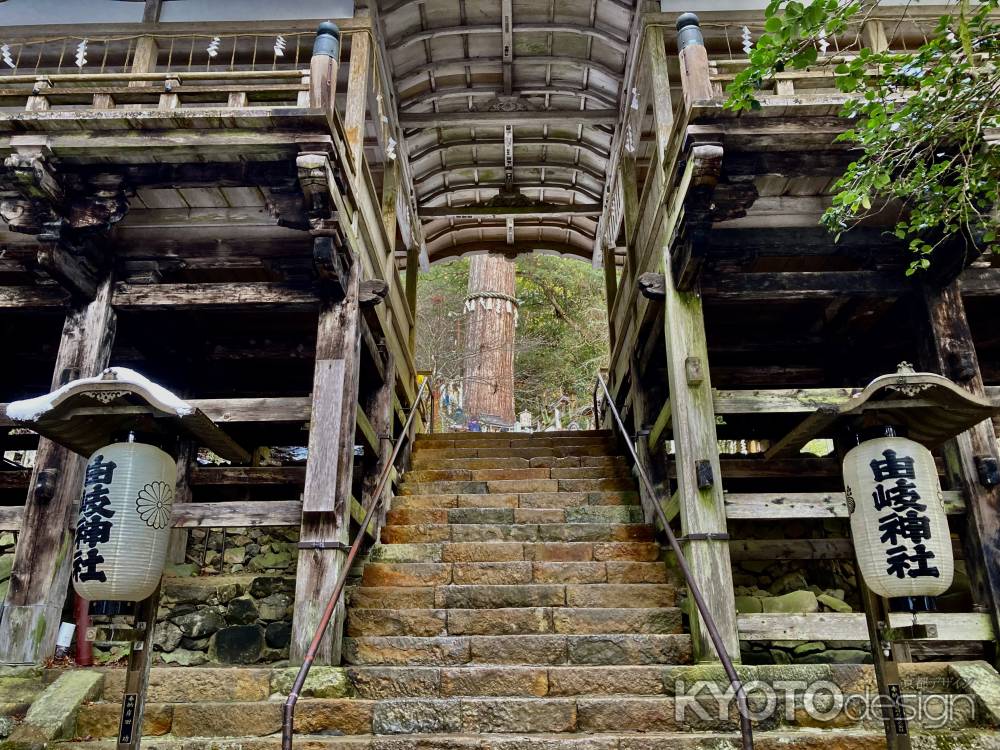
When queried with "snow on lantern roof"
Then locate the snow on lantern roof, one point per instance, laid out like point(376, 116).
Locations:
point(87, 414)
point(30, 409)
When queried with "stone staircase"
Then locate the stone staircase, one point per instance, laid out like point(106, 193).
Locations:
point(517, 601)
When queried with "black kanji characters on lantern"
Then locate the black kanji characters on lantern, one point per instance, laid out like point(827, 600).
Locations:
point(912, 526)
point(85, 567)
point(94, 526)
point(906, 521)
point(893, 467)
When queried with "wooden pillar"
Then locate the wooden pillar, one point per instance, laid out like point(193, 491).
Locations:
point(326, 500)
point(380, 414)
point(144, 58)
point(699, 478)
point(390, 195)
point(970, 456)
point(40, 576)
point(412, 270)
point(357, 96)
point(187, 452)
point(610, 291)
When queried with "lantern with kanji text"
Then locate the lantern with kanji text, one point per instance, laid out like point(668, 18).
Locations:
point(898, 521)
point(123, 528)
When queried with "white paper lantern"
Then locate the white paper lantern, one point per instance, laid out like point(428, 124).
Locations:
point(898, 522)
point(124, 525)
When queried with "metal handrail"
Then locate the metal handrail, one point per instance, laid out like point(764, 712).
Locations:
point(288, 716)
point(746, 729)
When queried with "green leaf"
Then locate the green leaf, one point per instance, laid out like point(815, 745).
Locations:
point(805, 58)
point(773, 24)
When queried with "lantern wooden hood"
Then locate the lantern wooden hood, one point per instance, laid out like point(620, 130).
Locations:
point(86, 414)
point(931, 407)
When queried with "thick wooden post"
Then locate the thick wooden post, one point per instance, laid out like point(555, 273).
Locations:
point(699, 477)
point(693, 58)
point(390, 194)
point(326, 500)
point(357, 96)
point(412, 270)
point(380, 414)
point(39, 579)
point(610, 289)
point(971, 459)
point(187, 451)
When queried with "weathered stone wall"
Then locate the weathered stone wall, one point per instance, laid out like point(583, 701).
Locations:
point(231, 601)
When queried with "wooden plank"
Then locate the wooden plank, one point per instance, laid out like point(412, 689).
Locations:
point(552, 117)
point(31, 298)
point(11, 517)
point(326, 498)
point(521, 212)
point(769, 506)
point(791, 549)
point(950, 351)
point(842, 626)
point(221, 296)
point(43, 559)
point(237, 514)
point(279, 409)
point(779, 400)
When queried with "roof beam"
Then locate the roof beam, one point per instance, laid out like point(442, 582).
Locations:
point(617, 44)
point(623, 4)
point(425, 120)
point(521, 212)
point(462, 92)
point(571, 167)
point(434, 148)
point(523, 187)
point(436, 66)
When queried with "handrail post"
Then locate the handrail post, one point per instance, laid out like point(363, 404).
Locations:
point(696, 81)
point(323, 68)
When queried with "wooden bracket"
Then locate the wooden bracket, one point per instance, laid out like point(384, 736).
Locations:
point(372, 292)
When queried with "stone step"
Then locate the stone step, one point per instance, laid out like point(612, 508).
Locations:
point(439, 474)
point(517, 500)
point(785, 739)
point(422, 461)
point(573, 514)
point(535, 451)
point(531, 715)
point(603, 650)
point(508, 486)
point(524, 532)
point(510, 573)
point(591, 595)
point(496, 440)
point(464, 552)
point(248, 684)
point(527, 436)
point(427, 623)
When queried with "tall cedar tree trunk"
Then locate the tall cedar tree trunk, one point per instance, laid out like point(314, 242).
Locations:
point(490, 319)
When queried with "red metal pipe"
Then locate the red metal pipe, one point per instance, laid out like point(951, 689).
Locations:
point(84, 652)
